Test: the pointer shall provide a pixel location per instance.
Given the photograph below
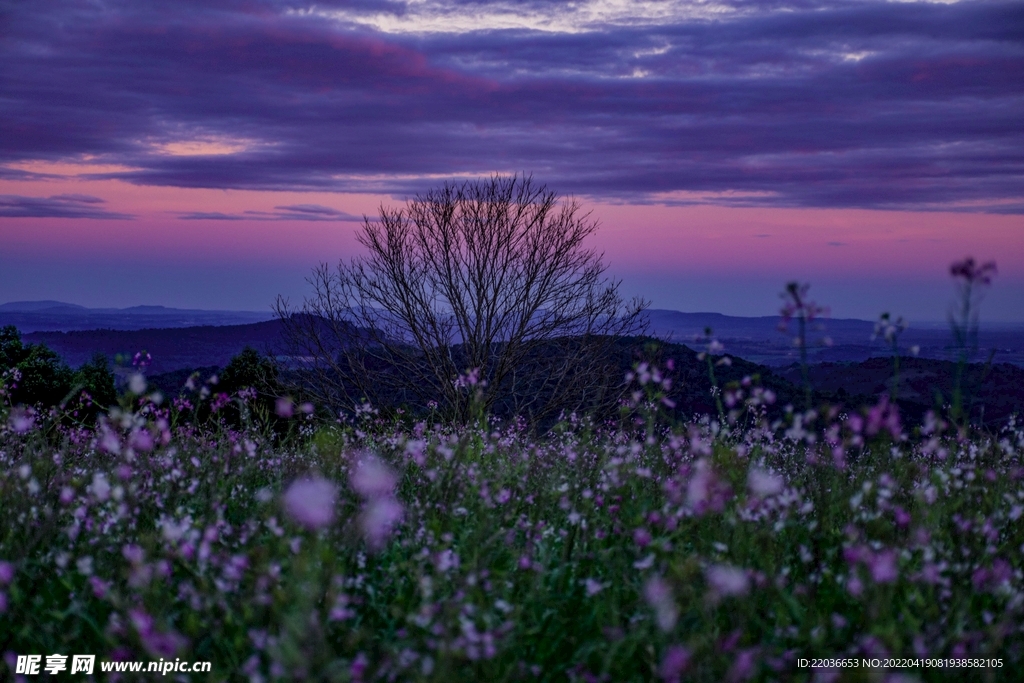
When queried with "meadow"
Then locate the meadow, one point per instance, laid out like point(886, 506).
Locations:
point(370, 548)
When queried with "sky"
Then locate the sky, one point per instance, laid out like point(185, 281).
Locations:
point(210, 153)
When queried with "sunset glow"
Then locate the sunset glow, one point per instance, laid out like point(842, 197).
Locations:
point(725, 149)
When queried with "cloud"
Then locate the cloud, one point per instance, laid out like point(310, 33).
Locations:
point(294, 212)
point(57, 206)
point(865, 104)
point(210, 216)
point(315, 212)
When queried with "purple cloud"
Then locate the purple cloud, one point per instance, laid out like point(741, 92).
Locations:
point(294, 212)
point(57, 206)
point(852, 104)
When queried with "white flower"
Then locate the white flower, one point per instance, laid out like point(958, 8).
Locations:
point(84, 565)
point(173, 531)
point(100, 486)
point(645, 563)
point(137, 384)
point(763, 484)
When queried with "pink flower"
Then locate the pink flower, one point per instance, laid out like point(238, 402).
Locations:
point(310, 502)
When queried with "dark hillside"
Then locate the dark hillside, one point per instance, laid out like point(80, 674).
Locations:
point(995, 395)
point(171, 348)
point(996, 392)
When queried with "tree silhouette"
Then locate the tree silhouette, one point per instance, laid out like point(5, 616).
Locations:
point(491, 277)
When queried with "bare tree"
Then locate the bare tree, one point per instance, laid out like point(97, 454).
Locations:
point(489, 276)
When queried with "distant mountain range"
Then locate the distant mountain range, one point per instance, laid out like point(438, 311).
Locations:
point(58, 316)
point(833, 340)
point(183, 338)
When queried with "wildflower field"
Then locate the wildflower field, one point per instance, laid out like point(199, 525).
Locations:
point(382, 549)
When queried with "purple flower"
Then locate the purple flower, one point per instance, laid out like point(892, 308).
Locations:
point(884, 416)
point(968, 271)
point(704, 492)
point(659, 596)
point(310, 502)
point(359, 666)
point(375, 482)
point(21, 420)
point(373, 479)
point(6, 572)
point(856, 553)
point(165, 645)
point(284, 407)
point(674, 663)
point(641, 537)
point(379, 518)
point(1001, 571)
point(727, 581)
point(142, 622)
point(100, 588)
point(744, 666)
point(883, 567)
point(141, 440)
point(445, 560)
